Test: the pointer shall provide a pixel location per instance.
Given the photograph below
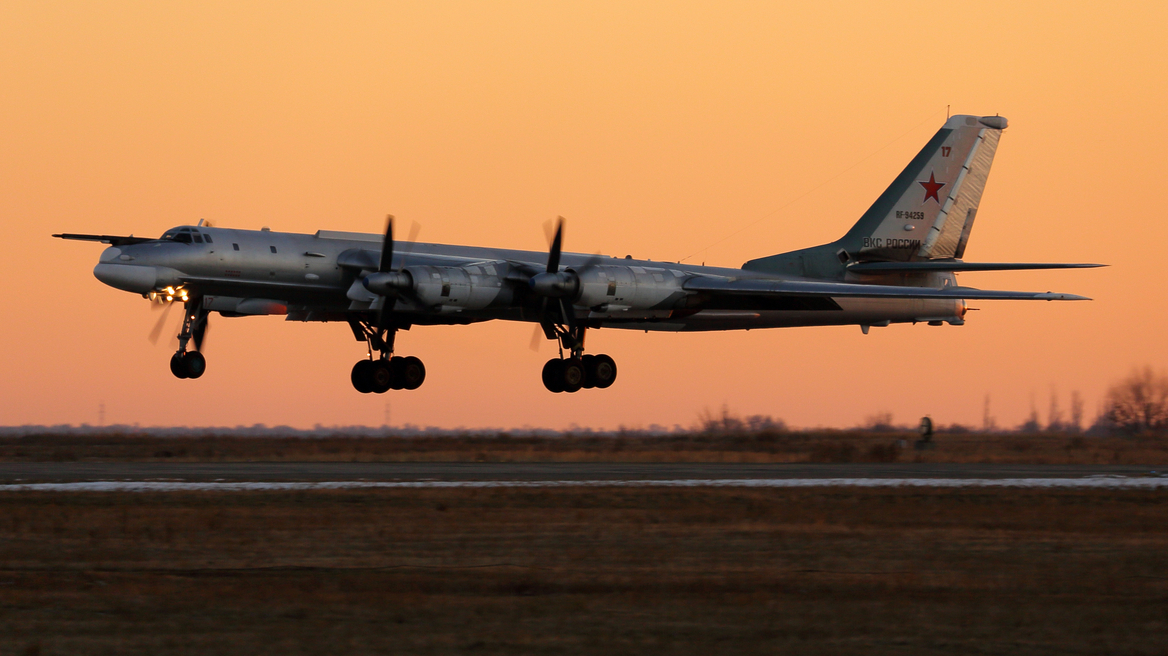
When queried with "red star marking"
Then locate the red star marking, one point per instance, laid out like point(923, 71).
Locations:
point(931, 188)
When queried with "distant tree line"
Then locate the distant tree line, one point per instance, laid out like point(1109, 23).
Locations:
point(1138, 404)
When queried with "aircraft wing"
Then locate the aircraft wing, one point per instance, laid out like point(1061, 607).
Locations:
point(803, 288)
point(113, 240)
point(958, 266)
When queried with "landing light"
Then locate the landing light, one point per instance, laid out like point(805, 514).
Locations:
point(169, 295)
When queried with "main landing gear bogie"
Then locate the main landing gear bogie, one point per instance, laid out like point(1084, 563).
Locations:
point(380, 376)
point(383, 371)
point(576, 373)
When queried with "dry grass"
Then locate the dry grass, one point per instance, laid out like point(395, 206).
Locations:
point(837, 446)
point(585, 570)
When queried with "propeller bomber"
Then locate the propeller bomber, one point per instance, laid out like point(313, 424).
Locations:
point(897, 264)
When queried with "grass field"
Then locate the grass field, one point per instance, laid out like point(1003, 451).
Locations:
point(585, 571)
point(756, 447)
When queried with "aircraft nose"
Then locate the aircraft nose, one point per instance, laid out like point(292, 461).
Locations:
point(110, 254)
point(126, 277)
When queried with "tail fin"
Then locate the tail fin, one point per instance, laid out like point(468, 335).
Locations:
point(928, 210)
point(926, 213)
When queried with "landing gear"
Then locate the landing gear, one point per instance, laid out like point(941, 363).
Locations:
point(191, 364)
point(362, 376)
point(378, 375)
point(600, 371)
point(577, 371)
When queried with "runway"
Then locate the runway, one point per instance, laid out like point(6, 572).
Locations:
point(145, 476)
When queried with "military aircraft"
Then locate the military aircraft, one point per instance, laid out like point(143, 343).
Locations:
point(897, 264)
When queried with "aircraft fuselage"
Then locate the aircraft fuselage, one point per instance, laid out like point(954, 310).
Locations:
point(316, 277)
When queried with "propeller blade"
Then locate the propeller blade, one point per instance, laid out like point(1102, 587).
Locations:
point(408, 246)
point(553, 263)
point(157, 331)
point(536, 337)
point(590, 262)
point(387, 246)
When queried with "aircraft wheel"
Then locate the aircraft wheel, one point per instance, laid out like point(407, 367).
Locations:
point(589, 362)
point(177, 366)
point(362, 376)
point(397, 378)
point(195, 364)
point(381, 377)
point(553, 375)
point(572, 375)
point(413, 373)
point(603, 372)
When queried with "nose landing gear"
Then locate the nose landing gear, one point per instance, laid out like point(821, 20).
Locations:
point(184, 363)
point(381, 374)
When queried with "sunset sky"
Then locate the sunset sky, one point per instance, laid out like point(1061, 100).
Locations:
point(717, 132)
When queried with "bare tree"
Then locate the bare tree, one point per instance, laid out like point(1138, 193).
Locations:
point(1054, 419)
point(728, 423)
point(1076, 412)
point(881, 422)
point(1138, 403)
point(1031, 425)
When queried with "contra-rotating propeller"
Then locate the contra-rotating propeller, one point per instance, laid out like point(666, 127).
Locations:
point(557, 286)
point(386, 279)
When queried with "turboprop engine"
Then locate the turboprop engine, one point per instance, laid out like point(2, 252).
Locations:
point(465, 288)
point(605, 286)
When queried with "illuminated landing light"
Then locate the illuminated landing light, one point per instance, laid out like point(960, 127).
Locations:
point(169, 295)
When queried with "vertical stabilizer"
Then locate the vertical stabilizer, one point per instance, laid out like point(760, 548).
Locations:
point(928, 211)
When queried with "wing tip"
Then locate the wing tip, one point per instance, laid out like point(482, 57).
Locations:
point(1053, 296)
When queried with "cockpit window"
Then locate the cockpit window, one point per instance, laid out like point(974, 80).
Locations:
point(198, 238)
point(181, 235)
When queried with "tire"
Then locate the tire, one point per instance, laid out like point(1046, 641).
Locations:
point(589, 362)
point(413, 373)
point(380, 377)
point(572, 375)
point(604, 371)
point(553, 375)
point(397, 376)
point(177, 366)
point(362, 376)
point(195, 364)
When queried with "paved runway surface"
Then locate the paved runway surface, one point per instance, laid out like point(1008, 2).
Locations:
point(583, 471)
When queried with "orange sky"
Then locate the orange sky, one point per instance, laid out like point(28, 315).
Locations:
point(657, 129)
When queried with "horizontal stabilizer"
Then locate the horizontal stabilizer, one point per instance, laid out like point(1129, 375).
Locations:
point(113, 240)
point(958, 266)
point(759, 286)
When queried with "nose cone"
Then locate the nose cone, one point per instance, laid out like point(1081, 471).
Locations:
point(127, 277)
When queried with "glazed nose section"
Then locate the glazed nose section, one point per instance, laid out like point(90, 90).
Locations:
point(126, 277)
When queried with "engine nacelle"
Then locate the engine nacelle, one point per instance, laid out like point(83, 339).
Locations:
point(472, 287)
point(630, 287)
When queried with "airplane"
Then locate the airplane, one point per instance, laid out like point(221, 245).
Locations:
point(897, 264)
